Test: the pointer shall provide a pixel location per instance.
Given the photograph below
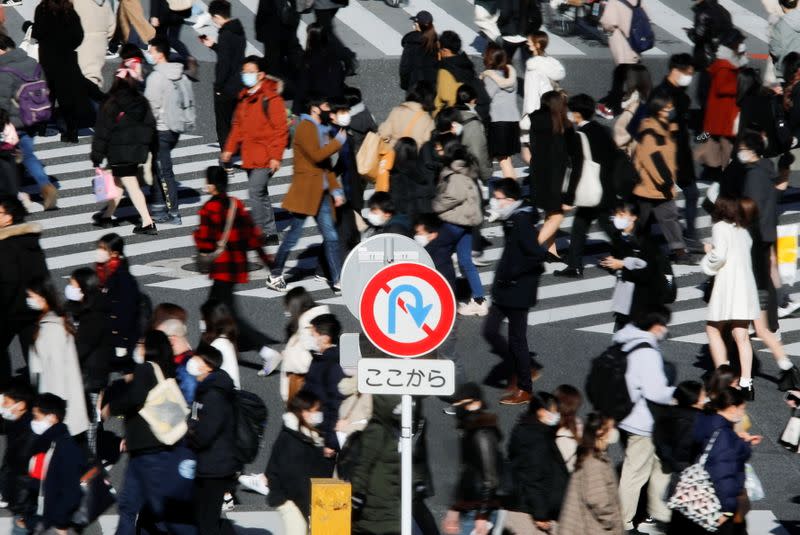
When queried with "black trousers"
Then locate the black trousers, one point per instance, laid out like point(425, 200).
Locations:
point(224, 106)
point(9, 330)
point(580, 227)
point(209, 493)
point(767, 296)
point(513, 351)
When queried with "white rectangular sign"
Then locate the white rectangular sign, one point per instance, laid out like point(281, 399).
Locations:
point(416, 377)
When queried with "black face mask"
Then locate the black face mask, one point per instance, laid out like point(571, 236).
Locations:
point(325, 117)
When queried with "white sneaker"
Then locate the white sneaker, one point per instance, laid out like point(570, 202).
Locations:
point(790, 307)
point(228, 503)
point(271, 359)
point(276, 283)
point(480, 260)
point(203, 20)
point(472, 308)
point(255, 482)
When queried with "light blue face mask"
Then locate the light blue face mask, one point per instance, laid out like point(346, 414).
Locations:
point(249, 79)
point(148, 57)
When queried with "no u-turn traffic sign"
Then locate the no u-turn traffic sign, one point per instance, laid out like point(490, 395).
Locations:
point(407, 309)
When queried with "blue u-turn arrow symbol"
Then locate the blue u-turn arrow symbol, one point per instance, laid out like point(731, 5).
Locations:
point(418, 312)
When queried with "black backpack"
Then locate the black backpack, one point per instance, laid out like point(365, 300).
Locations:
point(606, 387)
point(251, 421)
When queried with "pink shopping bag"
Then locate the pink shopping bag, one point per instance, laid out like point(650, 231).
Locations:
point(105, 189)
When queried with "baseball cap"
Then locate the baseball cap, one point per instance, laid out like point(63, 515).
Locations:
point(423, 18)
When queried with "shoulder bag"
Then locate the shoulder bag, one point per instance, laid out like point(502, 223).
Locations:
point(204, 261)
point(694, 496)
point(589, 191)
point(165, 409)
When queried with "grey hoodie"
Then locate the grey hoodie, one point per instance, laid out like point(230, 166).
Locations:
point(645, 378)
point(785, 36)
point(158, 87)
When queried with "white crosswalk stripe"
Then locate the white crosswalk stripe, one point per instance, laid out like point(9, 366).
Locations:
point(374, 30)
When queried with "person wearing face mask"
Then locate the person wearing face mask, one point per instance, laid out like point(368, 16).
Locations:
point(646, 381)
point(89, 311)
point(229, 47)
point(676, 85)
point(53, 356)
point(638, 264)
point(260, 134)
point(473, 132)
point(315, 191)
point(591, 503)
point(23, 261)
point(384, 218)
point(514, 289)
point(212, 437)
point(473, 509)
point(149, 460)
point(57, 464)
point(785, 35)
point(168, 91)
point(721, 107)
point(297, 456)
point(122, 292)
point(15, 482)
point(725, 463)
point(581, 114)
point(540, 474)
point(324, 375)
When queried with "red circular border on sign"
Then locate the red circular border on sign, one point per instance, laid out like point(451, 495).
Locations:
point(403, 349)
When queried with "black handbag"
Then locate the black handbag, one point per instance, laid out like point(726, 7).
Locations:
point(707, 287)
point(98, 497)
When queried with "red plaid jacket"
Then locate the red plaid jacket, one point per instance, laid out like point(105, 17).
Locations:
point(231, 265)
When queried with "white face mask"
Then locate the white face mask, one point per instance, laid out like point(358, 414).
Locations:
point(309, 342)
point(422, 240)
point(552, 419)
point(742, 48)
point(685, 80)
point(621, 223)
point(663, 336)
point(376, 219)
point(494, 204)
point(73, 293)
point(40, 426)
point(8, 413)
point(101, 256)
point(315, 418)
point(457, 128)
point(193, 367)
point(613, 436)
point(343, 120)
point(745, 156)
point(570, 117)
point(202, 325)
point(33, 303)
point(138, 355)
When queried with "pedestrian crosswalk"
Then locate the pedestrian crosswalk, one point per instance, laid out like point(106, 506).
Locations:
point(374, 30)
point(165, 261)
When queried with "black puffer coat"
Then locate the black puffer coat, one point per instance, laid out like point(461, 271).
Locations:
point(416, 63)
point(125, 130)
point(212, 426)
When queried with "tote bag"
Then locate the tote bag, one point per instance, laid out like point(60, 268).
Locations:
point(787, 252)
point(105, 188)
point(165, 410)
point(589, 192)
point(694, 496)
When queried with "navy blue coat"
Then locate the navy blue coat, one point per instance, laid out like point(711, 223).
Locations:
point(323, 379)
point(516, 281)
point(725, 463)
point(212, 426)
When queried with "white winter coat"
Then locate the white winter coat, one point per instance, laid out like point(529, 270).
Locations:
point(230, 362)
point(541, 72)
point(296, 358)
point(99, 24)
point(55, 369)
point(616, 19)
point(735, 296)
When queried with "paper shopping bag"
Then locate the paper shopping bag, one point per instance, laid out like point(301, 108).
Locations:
point(787, 252)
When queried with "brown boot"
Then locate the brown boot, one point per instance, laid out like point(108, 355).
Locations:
point(49, 196)
point(520, 397)
point(512, 386)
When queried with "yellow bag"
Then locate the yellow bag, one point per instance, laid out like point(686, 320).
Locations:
point(787, 252)
point(368, 159)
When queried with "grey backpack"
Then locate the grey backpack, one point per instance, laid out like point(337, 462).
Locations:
point(179, 111)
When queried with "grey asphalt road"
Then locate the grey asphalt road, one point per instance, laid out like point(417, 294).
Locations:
point(564, 351)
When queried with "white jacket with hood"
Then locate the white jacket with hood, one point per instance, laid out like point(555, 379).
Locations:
point(645, 378)
point(541, 73)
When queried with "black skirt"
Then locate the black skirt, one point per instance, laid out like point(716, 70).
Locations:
point(503, 139)
point(125, 169)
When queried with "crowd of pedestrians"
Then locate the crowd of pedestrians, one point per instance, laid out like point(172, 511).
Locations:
point(98, 348)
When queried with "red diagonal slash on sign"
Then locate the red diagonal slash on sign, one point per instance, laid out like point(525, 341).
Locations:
point(425, 327)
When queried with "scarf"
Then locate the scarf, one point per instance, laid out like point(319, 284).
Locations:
point(324, 138)
point(104, 271)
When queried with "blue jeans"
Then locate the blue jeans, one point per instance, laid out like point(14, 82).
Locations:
point(165, 190)
point(459, 239)
point(468, 521)
point(143, 487)
point(330, 240)
point(30, 161)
